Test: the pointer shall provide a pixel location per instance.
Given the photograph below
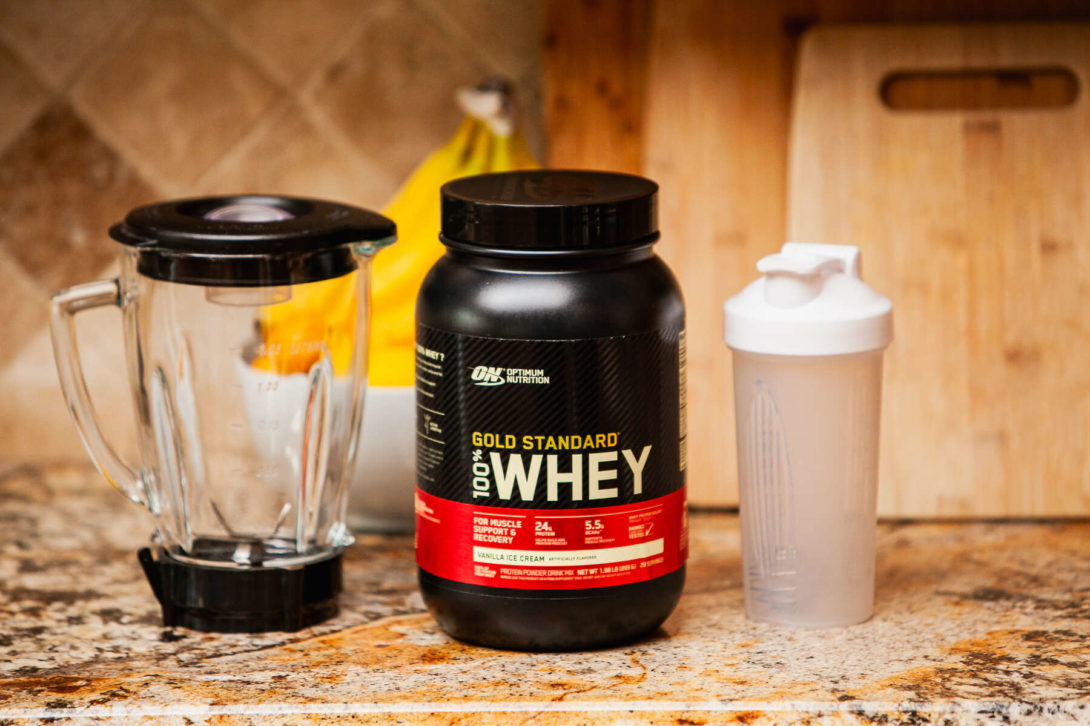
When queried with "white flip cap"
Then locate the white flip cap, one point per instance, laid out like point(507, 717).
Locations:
point(811, 301)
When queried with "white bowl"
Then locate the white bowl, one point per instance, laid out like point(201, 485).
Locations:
point(380, 496)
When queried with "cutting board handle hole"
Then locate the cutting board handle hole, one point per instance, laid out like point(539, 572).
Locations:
point(979, 89)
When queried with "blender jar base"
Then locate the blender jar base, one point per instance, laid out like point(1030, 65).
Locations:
point(243, 600)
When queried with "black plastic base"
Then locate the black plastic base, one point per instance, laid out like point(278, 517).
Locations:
point(250, 600)
point(551, 620)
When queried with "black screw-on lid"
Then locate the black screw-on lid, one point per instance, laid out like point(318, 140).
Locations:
point(550, 210)
point(249, 240)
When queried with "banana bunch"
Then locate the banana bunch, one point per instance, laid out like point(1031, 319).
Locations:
point(487, 140)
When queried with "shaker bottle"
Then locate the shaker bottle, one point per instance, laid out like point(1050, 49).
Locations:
point(245, 439)
point(807, 341)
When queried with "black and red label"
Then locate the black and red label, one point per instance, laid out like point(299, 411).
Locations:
point(546, 464)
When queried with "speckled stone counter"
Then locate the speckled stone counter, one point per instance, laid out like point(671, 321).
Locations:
point(980, 622)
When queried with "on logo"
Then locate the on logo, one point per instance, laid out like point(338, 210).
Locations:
point(487, 376)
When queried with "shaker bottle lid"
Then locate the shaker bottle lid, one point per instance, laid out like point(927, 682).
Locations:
point(811, 301)
point(550, 210)
point(249, 240)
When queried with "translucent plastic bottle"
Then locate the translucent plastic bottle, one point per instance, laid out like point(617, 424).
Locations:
point(808, 340)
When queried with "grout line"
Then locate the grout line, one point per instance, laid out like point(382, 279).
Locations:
point(49, 92)
point(36, 109)
point(299, 94)
point(119, 145)
point(337, 51)
point(29, 66)
point(363, 164)
point(149, 174)
point(53, 93)
point(122, 29)
point(102, 131)
point(38, 298)
point(8, 260)
point(530, 104)
point(321, 63)
point(308, 88)
point(268, 118)
point(126, 27)
point(273, 74)
point(454, 29)
point(472, 45)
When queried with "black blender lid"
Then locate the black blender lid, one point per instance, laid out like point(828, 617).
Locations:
point(550, 210)
point(250, 240)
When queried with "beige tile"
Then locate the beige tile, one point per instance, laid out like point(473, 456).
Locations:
point(290, 157)
point(57, 37)
point(292, 37)
point(60, 190)
point(24, 304)
point(392, 92)
point(509, 35)
point(176, 94)
point(529, 99)
point(20, 97)
point(36, 426)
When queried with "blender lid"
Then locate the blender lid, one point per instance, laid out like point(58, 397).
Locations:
point(250, 240)
point(812, 301)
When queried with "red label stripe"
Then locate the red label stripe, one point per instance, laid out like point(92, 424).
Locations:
point(551, 549)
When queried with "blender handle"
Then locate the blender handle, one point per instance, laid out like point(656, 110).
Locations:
point(63, 307)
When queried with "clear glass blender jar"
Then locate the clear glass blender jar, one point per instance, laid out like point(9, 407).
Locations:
point(245, 324)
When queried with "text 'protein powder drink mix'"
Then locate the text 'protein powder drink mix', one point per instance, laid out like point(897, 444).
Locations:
point(550, 389)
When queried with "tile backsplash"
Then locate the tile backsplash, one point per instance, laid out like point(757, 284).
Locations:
point(108, 104)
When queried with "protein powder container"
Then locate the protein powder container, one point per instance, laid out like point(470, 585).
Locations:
point(550, 384)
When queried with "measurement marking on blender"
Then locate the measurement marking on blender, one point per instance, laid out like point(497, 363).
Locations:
point(429, 410)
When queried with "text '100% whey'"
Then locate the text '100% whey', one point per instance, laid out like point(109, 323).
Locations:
point(550, 390)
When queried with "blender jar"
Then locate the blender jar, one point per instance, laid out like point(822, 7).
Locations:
point(245, 325)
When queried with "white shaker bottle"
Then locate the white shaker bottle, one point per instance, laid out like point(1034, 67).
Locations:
point(808, 339)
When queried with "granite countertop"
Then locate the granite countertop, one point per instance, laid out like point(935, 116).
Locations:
point(975, 622)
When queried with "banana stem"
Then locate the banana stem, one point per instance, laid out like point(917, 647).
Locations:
point(492, 103)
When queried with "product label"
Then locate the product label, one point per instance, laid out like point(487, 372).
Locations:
point(550, 464)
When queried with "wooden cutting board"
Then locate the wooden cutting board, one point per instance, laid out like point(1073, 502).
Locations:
point(975, 220)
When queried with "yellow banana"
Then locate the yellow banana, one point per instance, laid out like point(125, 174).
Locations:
point(487, 140)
